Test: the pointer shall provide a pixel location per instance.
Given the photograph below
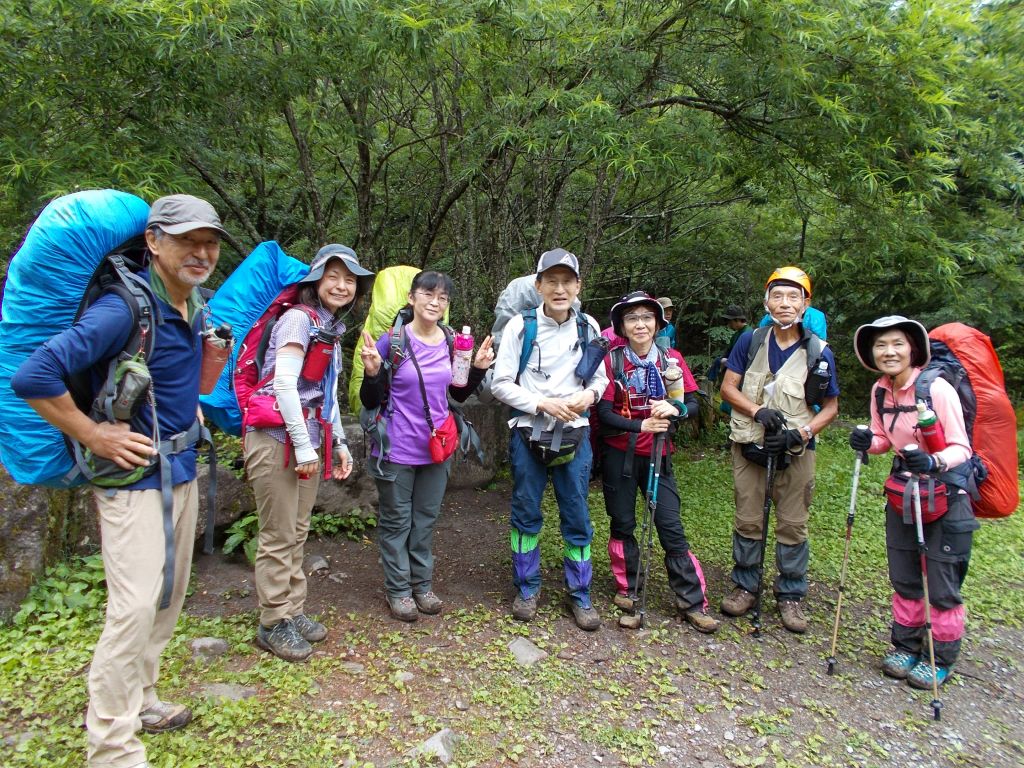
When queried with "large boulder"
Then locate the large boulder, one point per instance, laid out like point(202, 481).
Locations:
point(234, 498)
point(489, 421)
point(31, 533)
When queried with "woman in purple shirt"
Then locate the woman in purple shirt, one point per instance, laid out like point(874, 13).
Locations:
point(409, 483)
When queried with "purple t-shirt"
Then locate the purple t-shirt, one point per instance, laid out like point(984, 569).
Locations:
point(407, 424)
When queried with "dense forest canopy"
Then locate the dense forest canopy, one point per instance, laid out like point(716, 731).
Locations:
point(684, 147)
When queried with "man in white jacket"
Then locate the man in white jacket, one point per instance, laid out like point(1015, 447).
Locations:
point(549, 402)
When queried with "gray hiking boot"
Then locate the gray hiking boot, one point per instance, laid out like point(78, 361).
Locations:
point(524, 608)
point(284, 641)
point(403, 608)
point(585, 614)
point(164, 716)
point(793, 617)
point(311, 631)
point(738, 602)
point(428, 603)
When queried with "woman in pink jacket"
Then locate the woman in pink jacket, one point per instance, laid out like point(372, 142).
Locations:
point(898, 348)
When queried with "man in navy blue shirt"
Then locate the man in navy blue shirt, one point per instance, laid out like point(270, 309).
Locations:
point(183, 238)
point(771, 415)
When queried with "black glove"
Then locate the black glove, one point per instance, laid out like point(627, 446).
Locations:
point(770, 419)
point(860, 439)
point(918, 461)
point(780, 442)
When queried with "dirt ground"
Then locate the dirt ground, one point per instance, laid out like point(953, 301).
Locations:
point(663, 696)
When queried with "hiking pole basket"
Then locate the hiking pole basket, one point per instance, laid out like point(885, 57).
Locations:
point(922, 549)
point(768, 486)
point(858, 461)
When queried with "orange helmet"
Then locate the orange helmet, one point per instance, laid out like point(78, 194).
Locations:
point(793, 275)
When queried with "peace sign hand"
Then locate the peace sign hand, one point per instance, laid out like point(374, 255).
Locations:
point(369, 355)
point(484, 355)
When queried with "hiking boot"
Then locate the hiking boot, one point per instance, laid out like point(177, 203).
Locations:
point(585, 614)
point(403, 608)
point(921, 675)
point(311, 631)
point(428, 603)
point(792, 616)
point(899, 663)
point(624, 602)
point(164, 716)
point(284, 641)
point(738, 602)
point(701, 621)
point(524, 608)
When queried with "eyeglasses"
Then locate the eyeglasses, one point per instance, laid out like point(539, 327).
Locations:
point(441, 299)
point(635, 319)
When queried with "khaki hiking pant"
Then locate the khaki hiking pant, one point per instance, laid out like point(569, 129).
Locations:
point(792, 493)
point(284, 504)
point(125, 664)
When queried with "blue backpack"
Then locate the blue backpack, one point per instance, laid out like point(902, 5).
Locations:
point(81, 246)
point(240, 302)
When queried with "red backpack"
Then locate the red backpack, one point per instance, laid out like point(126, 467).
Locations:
point(994, 437)
point(253, 350)
point(965, 358)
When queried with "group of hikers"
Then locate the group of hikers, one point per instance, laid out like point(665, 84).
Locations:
point(552, 371)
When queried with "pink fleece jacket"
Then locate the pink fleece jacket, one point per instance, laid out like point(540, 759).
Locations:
point(947, 408)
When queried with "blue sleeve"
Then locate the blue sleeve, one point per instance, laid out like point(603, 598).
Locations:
point(737, 362)
point(99, 335)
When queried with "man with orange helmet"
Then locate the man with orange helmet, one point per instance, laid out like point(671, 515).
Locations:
point(782, 386)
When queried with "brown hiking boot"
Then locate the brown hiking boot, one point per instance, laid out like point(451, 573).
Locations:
point(164, 716)
point(738, 602)
point(700, 621)
point(792, 616)
point(524, 608)
point(585, 615)
point(624, 602)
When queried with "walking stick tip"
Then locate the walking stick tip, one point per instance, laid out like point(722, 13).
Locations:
point(831, 666)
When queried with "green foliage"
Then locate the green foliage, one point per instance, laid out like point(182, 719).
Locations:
point(244, 532)
point(685, 149)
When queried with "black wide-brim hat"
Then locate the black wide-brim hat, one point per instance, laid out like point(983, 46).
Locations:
point(631, 300)
point(864, 338)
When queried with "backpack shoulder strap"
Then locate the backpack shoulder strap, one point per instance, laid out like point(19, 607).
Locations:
point(583, 328)
point(618, 360)
point(923, 385)
point(894, 409)
point(815, 349)
point(760, 335)
point(529, 337)
point(449, 339)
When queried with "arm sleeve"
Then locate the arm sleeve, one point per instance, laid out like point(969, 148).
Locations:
point(461, 394)
point(737, 362)
point(607, 415)
point(691, 405)
point(286, 377)
point(99, 334)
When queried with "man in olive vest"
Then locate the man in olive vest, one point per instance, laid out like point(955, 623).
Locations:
point(775, 413)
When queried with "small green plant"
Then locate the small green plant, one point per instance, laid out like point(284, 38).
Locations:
point(244, 532)
point(352, 526)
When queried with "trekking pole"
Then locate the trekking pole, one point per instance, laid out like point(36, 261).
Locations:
point(846, 556)
point(769, 484)
point(922, 550)
point(643, 565)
